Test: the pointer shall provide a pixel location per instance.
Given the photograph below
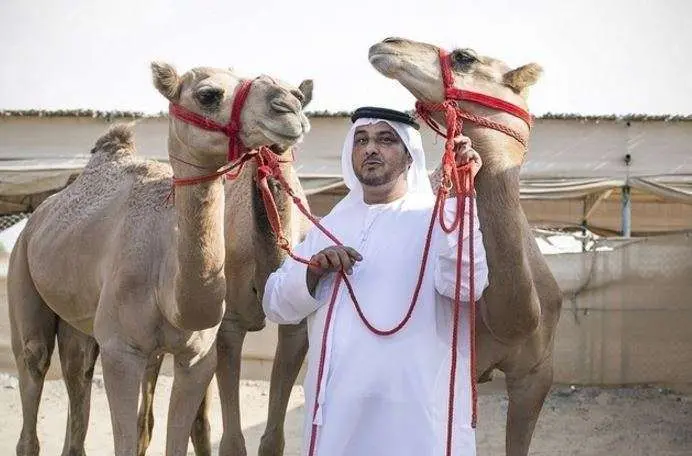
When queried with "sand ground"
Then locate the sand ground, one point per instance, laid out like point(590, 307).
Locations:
point(635, 421)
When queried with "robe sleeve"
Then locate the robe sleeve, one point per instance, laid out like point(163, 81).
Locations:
point(445, 267)
point(287, 299)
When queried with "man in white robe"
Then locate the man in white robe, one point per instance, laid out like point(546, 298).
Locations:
point(383, 395)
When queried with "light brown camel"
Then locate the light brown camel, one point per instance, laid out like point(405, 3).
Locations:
point(109, 257)
point(520, 308)
point(252, 254)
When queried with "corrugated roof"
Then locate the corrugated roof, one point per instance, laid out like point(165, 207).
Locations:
point(139, 115)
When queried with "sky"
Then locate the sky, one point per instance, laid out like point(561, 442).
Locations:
point(599, 56)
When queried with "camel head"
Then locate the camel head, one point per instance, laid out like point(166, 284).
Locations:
point(417, 67)
point(271, 116)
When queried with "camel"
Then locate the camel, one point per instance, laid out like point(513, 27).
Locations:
point(519, 311)
point(252, 254)
point(108, 260)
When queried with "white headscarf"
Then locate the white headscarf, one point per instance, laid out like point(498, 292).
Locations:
point(417, 177)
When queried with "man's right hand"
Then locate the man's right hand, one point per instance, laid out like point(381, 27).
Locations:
point(331, 259)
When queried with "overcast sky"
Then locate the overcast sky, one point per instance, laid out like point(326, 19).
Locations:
point(600, 56)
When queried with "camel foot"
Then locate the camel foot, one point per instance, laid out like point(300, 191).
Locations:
point(74, 452)
point(232, 446)
point(28, 446)
point(272, 444)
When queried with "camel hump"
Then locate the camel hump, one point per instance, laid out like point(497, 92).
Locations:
point(119, 138)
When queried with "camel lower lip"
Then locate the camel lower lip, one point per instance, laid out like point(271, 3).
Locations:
point(287, 136)
point(372, 57)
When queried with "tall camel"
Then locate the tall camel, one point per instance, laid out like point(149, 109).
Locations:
point(252, 254)
point(519, 311)
point(109, 258)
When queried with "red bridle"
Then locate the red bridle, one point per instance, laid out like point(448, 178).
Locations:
point(236, 148)
point(454, 113)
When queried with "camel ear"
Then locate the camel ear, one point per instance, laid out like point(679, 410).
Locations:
point(523, 77)
point(166, 80)
point(306, 89)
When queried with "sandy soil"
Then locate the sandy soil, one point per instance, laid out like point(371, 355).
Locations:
point(575, 421)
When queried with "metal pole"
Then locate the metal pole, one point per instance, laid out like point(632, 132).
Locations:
point(626, 212)
point(627, 201)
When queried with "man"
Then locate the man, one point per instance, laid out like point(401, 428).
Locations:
point(382, 395)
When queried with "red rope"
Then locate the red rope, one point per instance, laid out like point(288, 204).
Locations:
point(268, 165)
point(454, 116)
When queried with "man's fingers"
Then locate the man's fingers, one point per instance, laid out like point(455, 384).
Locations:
point(353, 253)
point(346, 261)
point(320, 261)
point(334, 259)
point(462, 143)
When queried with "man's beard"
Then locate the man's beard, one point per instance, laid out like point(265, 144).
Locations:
point(390, 175)
point(376, 180)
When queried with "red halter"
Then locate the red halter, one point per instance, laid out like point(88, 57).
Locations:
point(238, 154)
point(231, 129)
point(455, 113)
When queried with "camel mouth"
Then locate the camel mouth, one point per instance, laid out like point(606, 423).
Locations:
point(282, 140)
point(385, 61)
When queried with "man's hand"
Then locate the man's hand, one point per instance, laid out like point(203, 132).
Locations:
point(464, 154)
point(331, 259)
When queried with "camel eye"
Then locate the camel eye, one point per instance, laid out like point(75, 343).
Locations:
point(209, 97)
point(463, 57)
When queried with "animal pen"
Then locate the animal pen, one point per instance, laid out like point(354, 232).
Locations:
point(610, 199)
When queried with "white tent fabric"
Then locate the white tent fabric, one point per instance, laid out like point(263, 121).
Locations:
point(569, 158)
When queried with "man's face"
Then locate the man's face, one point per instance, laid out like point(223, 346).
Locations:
point(379, 155)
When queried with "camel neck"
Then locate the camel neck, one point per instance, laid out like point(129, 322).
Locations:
point(504, 224)
point(199, 277)
point(268, 255)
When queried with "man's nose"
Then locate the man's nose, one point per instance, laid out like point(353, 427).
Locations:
point(371, 147)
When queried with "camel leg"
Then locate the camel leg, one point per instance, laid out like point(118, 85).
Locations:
point(33, 327)
point(290, 352)
point(78, 353)
point(230, 344)
point(201, 439)
point(526, 396)
point(145, 418)
point(190, 384)
point(201, 428)
point(123, 373)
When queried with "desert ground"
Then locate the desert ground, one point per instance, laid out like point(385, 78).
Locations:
point(632, 421)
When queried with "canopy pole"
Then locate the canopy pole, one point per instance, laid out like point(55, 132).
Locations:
point(627, 202)
point(626, 212)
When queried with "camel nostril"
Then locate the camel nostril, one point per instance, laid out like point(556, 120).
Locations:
point(392, 39)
